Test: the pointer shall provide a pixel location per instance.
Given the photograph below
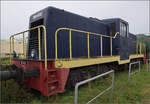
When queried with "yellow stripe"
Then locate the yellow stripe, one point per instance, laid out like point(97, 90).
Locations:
point(80, 62)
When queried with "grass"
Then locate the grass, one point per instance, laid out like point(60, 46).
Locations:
point(137, 91)
point(5, 60)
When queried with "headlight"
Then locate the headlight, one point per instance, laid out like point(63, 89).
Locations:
point(33, 53)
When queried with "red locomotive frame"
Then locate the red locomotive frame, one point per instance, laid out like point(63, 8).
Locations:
point(51, 81)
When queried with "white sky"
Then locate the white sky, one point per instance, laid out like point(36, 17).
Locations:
point(15, 14)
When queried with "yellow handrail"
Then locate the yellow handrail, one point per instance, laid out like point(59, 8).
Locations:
point(88, 41)
point(24, 53)
point(39, 38)
point(10, 49)
point(101, 46)
point(136, 47)
point(13, 42)
point(45, 44)
point(110, 46)
point(87, 33)
point(70, 44)
point(140, 48)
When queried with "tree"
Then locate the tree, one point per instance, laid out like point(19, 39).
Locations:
point(144, 39)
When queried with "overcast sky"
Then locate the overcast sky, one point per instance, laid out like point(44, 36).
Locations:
point(15, 15)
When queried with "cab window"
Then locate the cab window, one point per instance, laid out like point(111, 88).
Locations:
point(123, 29)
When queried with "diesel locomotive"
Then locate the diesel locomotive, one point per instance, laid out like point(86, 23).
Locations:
point(63, 48)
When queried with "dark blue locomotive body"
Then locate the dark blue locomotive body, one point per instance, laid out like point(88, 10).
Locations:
point(53, 18)
point(132, 43)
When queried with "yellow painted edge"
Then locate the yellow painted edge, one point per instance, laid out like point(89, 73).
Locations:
point(130, 57)
point(92, 61)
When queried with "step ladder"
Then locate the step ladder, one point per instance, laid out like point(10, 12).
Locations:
point(52, 82)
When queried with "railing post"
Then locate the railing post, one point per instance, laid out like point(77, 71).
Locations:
point(136, 48)
point(87, 33)
point(139, 68)
point(129, 74)
point(56, 57)
point(76, 95)
point(13, 43)
point(101, 45)
point(10, 50)
point(24, 40)
point(23, 44)
point(45, 46)
point(140, 48)
point(39, 41)
point(147, 63)
point(70, 44)
point(91, 79)
point(110, 46)
point(88, 44)
point(112, 84)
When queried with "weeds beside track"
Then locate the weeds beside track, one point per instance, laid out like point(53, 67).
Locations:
point(137, 91)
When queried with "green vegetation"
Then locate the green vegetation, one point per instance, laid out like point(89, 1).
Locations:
point(5, 60)
point(135, 92)
point(144, 39)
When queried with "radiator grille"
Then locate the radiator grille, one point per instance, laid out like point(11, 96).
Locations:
point(33, 38)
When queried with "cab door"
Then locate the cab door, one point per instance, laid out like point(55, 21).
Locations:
point(124, 42)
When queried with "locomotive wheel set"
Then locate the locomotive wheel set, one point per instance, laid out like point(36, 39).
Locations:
point(64, 48)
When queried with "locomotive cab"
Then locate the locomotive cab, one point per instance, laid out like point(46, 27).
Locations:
point(124, 46)
point(120, 44)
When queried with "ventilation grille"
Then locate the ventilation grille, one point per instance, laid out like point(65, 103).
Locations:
point(33, 38)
